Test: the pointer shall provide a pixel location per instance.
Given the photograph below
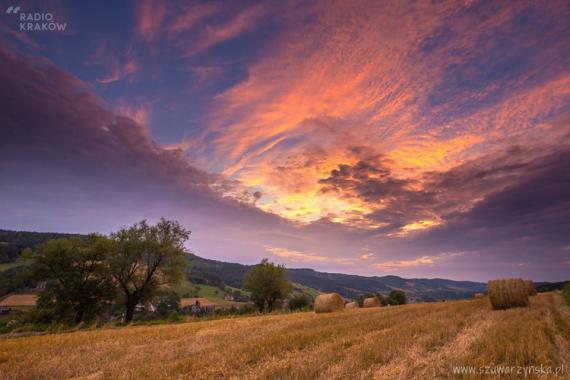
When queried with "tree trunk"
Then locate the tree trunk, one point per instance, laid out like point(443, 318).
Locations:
point(79, 313)
point(130, 306)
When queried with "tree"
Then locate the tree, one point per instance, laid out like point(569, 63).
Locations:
point(267, 283)
point(80, 283)
point(299, 302)
point(145, 258)
point(398, 296)
point(168, 302)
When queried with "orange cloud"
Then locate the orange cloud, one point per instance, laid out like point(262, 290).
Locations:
point(348, 86)
point(392, 265)
point(295, 256)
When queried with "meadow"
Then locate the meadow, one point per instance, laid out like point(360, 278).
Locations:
point(417, 341)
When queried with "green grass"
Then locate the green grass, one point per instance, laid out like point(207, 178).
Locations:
point(313, 293)
point(6, 266)
point(213, 293)
point(566, 293)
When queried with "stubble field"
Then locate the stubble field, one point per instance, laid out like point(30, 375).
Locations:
point(420, 341)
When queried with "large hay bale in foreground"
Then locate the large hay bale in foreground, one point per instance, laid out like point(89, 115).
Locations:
point(508, 293)
point(479, 295)
point(371, 302)
point(327, 303)
point(531, 290)
point(351, 305)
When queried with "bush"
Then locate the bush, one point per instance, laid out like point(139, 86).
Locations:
point(299, 302)
point(566, 293)
point(398, 296)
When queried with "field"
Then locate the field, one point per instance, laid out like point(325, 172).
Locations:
point(19, 300)
point(420, 341)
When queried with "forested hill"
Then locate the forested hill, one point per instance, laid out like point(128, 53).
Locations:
point(219, 272)
point(13, 242)
point(350, 286)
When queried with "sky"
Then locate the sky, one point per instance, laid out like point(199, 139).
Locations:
point(419, 139)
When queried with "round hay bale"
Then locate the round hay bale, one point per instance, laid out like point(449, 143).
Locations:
point(327, 303)
point(531, 290)
point(479, 295)
point(351, 305)
point(371, 302)
point(508, 293)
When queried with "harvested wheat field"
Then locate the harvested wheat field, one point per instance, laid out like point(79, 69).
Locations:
point(420, 341)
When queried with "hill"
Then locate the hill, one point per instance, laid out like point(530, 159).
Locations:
point(219, 273)
point(350, 286)
point(420, 341)
point(13, 242)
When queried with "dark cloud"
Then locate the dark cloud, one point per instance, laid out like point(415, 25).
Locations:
point(65, 156)
point(511, 184)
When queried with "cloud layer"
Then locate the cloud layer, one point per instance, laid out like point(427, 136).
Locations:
point(365, 137)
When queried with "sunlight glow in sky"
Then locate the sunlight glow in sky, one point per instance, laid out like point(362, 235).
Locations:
point(415, 138)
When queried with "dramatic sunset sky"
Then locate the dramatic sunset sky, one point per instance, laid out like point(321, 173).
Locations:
point(421, 139)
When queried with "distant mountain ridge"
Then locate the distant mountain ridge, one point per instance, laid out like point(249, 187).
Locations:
point(217, 272)
point(348, 285)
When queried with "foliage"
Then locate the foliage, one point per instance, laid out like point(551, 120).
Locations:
point(144, 258)
point(299, 302)
point(398, 296)
point(169, 302)
point(267, 283)
point(79, 282)
point(16, 277)
point(14, 242)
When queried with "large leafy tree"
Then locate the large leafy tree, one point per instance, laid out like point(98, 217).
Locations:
point(267, 283)
point(80, 284)
point(145, 258)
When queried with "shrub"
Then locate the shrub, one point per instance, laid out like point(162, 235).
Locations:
point(399, 296)
point(508, 293)
point(299, 302)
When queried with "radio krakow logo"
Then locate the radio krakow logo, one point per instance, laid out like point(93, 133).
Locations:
point(36, 21)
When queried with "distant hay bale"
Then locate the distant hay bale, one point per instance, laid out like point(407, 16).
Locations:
point(508, 293)
point(351, 305)
point(327, 303)
point(479, 295)
point(371, 302)
point(531, 290)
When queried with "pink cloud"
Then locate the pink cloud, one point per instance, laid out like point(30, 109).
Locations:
point(192, 15)
point(150, 15)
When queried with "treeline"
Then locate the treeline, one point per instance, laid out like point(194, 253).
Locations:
point(12, 243)
point(395, 297)
point(86, 277)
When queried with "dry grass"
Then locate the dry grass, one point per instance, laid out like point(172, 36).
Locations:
point(418, 341)
point(15, 300)
point(531, 290)
point(326, 303)
point(479, 295)
point(508, 293)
